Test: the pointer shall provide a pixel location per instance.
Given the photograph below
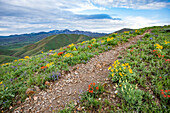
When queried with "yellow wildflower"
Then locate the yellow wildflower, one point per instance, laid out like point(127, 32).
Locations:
point(49, 64)
point(120, 74)
point(115, 66)
point(116, 70)
point(120, 69)
point(1, 82)
point(71, 45)
point(83, 42)
point(166, 42)
point(120, 85)
point(158, 46)
point(112, 70)
point(124, 67)
point(68, 55)
point(129, 67)
point(50, 50)
point(109, 67)
point(102, 41)
point(130, 71)
point(74, 49)
point(15, 60)
point(113, 74)
point(26, 57)
point(109, 39)
point(41, 51)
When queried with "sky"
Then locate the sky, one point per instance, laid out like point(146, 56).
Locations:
point(105, 16)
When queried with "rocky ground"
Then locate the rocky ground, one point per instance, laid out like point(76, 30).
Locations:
point(71, 84)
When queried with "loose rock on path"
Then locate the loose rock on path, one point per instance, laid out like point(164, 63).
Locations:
point(73, 83)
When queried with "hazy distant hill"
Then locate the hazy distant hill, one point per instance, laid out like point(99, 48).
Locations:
point(17, 41)
point(51, 42)
point(122, 30)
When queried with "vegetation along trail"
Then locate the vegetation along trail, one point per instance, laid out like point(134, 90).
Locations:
point(76, 80)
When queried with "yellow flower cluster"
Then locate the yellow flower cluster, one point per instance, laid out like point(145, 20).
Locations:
point(126, 31)
point(158, 46)
point(50, 50)
point(109, 39)
point(102, 41)
point(15, 60)
point(74, 49)
point(68, 55)
point(42, 52)
point(49, 64)
point(54, 54)
point(5, 64)
point(83, 42)
point(71, 45)
point(166, 42)
point(120, 68)
point(26, 57)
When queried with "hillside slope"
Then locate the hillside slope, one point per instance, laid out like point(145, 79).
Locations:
point(6, 58)
point(50, 43)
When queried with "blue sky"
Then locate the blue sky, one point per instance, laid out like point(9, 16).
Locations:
point(26, 16)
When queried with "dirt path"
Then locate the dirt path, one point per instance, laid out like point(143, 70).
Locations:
point(71, 84)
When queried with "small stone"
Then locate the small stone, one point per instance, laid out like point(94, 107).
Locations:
point(19, 102)
point(76, 73)
point(99, 98)
point(60, 89)
point(100, 69)
point(116, 92)
point(98, 66)
point(107, 79)
point(47, 83)
point(30, 91)
point(35, 98)
point(26, 99)
point(79, 109)
point(113, 96)
point(37, 88)
point(58, 101)
point(75, 103)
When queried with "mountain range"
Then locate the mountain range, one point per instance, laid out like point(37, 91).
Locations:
point(17, 41)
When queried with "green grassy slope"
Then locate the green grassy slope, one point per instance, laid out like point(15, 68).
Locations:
point(49, 43)
point(6, 51)
point(5, 58)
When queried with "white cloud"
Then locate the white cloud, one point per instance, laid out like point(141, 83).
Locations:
point(54, 5)
point(26, 16)
point(139, 22)
point(134, 4)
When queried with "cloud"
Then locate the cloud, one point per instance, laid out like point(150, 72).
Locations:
point(134, 4)
point(97, 16)
point(26, 16)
